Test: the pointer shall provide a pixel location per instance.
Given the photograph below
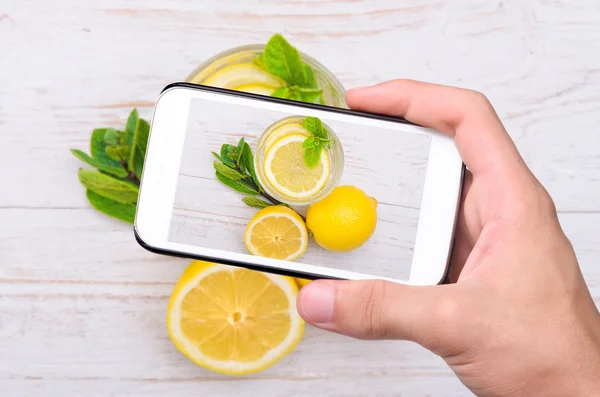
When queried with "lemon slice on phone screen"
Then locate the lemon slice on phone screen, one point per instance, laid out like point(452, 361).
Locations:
point(233, 320)
point(276, 232)
point(286, 171)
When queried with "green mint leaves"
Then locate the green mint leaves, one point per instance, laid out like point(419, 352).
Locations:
point(283, 60)
point(235, 168)
point(255, 202)
point(118, 157)
point(314, 144)
point(124, 212)
point(111, 188)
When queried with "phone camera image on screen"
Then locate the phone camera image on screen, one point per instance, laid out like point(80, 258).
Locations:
point(339, 168)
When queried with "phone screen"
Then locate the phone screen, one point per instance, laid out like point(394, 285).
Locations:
point(388, 165)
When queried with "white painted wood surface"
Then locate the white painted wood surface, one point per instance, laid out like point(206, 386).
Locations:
point(82, 307)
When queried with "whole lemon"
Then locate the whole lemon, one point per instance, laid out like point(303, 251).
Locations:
point(344, 220)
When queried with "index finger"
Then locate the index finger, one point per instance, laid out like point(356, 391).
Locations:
point(468, 116)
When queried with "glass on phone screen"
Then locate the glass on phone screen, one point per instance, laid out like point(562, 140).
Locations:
point(386, 164)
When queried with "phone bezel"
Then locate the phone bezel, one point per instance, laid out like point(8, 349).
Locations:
point(441, 195)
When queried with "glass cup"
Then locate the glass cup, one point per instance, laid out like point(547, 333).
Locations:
point(239, 60)
point(292, 125)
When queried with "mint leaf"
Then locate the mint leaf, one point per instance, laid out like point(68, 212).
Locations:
point(117, 171)
point(98, 148)
point(217, 156)
point(312, 156)
point(311, 80)
point(113, 154)
point(294, 93)
point(283, 60)
point(311, 95)
point(139, 140)
point(109, 187)
point(139, 146)
point(309, 90)
point(315, 126)
point(124, 212)
point(312, 98)
point(240, 159)
point(320, 139)
point(138, 166)
point(255, 202)
point(281, 92)
point(122, 152)
point(131, 127)
point(249, 163)
point(309, 143)
point(225, 150)
point(112, 137)
point(227, 171)
point(143, 135)
point(239, 186)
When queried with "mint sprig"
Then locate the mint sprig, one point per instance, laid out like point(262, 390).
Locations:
point(283, 60)
point(118, 157)
point(314, 144)
point(235, 168)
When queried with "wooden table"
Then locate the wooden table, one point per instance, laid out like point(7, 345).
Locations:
point(82, 306)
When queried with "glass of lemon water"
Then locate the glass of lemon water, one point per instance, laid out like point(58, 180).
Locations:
point(281, 168)
point(235, 69)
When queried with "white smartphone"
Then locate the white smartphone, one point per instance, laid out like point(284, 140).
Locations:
point(414, 173)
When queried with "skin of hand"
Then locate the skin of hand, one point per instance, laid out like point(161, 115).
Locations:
point(515, 318)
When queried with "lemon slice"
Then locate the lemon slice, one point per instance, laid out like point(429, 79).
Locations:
point(276, 232)
point(286, 128)
point(220, 62)
point(256, 89)
point(232, 320)
point(286, 172)
point(243, 74)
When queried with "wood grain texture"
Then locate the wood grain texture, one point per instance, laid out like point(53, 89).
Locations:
point(82, 306)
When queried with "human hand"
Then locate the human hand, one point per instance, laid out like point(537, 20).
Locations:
point(517, 319)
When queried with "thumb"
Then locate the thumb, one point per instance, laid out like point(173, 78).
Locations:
point(381, 310)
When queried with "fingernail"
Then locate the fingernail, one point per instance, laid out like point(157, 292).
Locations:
point(316, 302)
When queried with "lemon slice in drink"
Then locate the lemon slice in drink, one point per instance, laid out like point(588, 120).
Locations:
point(232, 320)
point(276, 232)
point(286, 172)
point(244, 75)
point(283, 129)
point(256, 89)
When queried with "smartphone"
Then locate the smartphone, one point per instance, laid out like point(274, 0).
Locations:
point(414, 173)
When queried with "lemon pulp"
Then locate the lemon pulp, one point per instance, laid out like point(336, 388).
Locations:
point(287, 173)
point(244, 76)
point(233, 320)
point(276, 232)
